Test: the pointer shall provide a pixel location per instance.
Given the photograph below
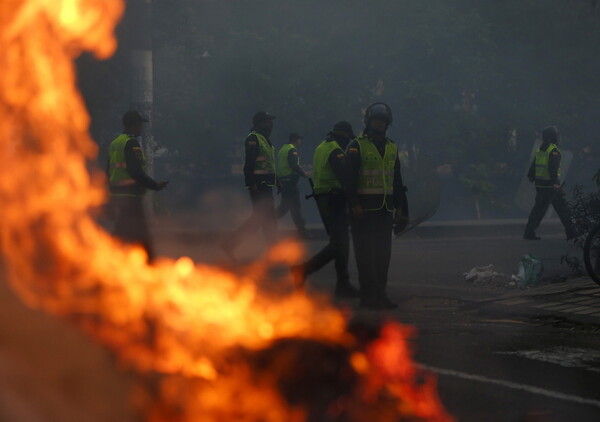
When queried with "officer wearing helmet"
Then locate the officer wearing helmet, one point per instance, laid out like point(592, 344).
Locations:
point(545, 173)
point(378, 204)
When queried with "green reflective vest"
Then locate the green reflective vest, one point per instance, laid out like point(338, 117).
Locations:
point(118, 175)
point(376, 175)
point(323, 176)
point(284, 170)
point(265, 161)
point(542, 160)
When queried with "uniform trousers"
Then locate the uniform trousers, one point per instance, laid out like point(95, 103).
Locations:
point(334, 212)
point(263, 218)
point(131, 224)
point(372, 238)
point(545, 197)
point(290, 201)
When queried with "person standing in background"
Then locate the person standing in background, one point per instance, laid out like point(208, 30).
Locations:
point(128, 183)
point(329, 167)
point(378, 204)
point(545, 173)
point(259, 177)
point(289, 173)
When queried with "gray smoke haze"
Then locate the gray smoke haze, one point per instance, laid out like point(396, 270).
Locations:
point(470, 84)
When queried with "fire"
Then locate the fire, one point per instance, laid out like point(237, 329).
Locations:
point(209, 345)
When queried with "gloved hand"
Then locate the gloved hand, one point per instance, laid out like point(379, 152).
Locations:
point(162, 185)
point(400, 221)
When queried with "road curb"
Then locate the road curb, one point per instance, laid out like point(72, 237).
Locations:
point(427, 230)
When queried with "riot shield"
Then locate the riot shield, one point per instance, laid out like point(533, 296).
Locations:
point(423, 194)
point(525, 197)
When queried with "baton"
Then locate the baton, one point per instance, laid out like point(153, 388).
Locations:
point(312, 189)
point(314, 195)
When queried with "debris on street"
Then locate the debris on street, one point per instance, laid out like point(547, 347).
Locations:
point(486, 276)
point(529, 273)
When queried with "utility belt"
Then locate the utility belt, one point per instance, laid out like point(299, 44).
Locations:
point(544, 183)
point(267, 179)
point(127, 190)
point(376, 202)
point(335, 198)
point(291, 179)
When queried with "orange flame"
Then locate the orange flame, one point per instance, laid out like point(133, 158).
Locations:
point(197, 326)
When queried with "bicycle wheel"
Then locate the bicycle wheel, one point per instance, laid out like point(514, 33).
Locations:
point(591, 254)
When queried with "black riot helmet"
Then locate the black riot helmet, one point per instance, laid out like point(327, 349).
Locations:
point(550, 135)
point(378, 110)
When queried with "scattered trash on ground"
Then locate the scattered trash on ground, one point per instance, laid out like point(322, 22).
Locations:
point(486, 277)
point(529, 273)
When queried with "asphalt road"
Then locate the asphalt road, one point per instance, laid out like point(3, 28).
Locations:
point(489, 367)
point(493, 367)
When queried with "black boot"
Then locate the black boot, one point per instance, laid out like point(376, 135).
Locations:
point(530, 236)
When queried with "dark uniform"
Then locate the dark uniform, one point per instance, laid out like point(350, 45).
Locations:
point(329, 173)
point(545, 172)
point(128, 183)
point(288, 174)
point(259, 176)
point(375, 190)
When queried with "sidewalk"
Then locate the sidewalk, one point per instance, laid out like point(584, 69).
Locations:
point(577, 300)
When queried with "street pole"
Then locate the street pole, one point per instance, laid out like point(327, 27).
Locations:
point(141, 68)
point(139, 28)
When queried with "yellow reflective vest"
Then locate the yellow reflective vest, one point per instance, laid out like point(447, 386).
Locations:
point(118, 176)
point(376, 175)
point(265, 161)
point(324, 178)
point(542, 161)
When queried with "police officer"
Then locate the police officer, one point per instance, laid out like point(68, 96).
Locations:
point(128, 183)
point(378, 204)
point(329, 164)
point(259, 176)
point(288, 174)
point(545, 173)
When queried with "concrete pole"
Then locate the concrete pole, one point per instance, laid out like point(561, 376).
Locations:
point(139, 23)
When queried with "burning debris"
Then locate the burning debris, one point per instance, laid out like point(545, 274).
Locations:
point(208, 345)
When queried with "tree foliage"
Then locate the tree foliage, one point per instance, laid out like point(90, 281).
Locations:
point(458, 75)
